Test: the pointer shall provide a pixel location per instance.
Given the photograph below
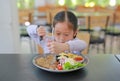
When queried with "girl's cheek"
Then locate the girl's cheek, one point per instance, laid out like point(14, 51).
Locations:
point(56, 39)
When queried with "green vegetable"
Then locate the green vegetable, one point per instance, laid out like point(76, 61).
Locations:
point(68, 66)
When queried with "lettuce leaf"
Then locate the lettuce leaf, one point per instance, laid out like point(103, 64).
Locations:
point(68, 66)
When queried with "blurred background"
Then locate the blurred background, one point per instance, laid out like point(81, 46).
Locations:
point(16, 15)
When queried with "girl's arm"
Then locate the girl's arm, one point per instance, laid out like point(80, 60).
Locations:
point(76, 45)
point(32, 32)
point(72, 45)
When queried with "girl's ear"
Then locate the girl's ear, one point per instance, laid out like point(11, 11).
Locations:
point(75, 34)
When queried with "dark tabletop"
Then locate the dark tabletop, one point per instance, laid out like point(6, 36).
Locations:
point(19, 67)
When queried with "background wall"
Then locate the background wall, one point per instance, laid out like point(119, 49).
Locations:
point(9, 30)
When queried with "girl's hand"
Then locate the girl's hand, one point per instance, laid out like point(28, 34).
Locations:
point(41, 31)
point(57, 48)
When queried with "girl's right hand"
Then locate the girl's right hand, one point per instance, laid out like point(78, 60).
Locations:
point(41, 31)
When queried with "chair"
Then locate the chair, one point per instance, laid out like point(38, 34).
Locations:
point(25, 15)
point(44, 8)
point(97, 26)
point(43, 12)
point(114, 31)
point(105, 10)
point(52, 12)
point(84, 9)
point(86, 37)
point(80, 9)
point(80, 35)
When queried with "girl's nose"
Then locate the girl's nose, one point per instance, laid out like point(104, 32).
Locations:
point(61, 38)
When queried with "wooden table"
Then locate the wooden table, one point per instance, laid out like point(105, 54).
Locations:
point(19, 67)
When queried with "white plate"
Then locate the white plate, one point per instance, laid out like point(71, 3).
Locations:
point(86, 60)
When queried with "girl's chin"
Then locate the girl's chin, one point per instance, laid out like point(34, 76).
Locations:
point(60, 41)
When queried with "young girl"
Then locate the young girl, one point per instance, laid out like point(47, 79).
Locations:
point(64, 30)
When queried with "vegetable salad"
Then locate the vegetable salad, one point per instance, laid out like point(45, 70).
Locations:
point(69, 61)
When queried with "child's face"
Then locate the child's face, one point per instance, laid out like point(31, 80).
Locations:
point(63, 33)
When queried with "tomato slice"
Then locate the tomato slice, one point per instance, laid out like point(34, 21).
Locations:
point(79, 58)
point(59, 67)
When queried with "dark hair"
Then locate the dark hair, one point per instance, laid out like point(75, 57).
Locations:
point(66, 16)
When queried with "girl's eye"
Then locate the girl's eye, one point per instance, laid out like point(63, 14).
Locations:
point(66, 34)
point(57, 33)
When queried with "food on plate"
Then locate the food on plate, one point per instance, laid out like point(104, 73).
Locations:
point(47, 62)
point(62, 61)
point(69, 61)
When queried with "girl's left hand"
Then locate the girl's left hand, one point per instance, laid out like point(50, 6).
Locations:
point(56, 47)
